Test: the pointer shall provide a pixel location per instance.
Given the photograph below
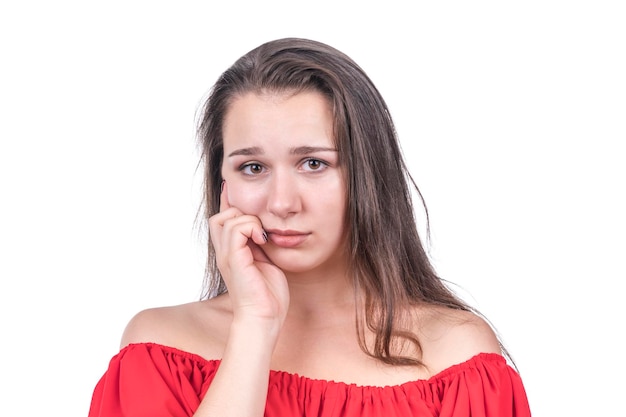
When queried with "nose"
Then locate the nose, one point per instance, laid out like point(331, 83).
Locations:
point(283, 198)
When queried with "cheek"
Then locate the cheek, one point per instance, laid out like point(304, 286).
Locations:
point(331, 205)
point(246, 198)
point(338, 192)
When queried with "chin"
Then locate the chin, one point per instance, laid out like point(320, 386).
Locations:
point(292, 262)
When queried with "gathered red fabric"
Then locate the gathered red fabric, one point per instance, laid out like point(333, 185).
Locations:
point(151, 380)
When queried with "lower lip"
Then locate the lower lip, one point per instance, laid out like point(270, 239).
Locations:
point(287, 241)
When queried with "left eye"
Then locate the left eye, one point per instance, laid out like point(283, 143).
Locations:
point(314, 165)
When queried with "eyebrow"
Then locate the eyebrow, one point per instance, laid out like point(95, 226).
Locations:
point(247, 151)
point(305, 150)
point(300, 150)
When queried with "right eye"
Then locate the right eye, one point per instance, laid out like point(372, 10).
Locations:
point(252, 168)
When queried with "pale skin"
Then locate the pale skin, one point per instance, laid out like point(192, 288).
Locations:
point(280, 245)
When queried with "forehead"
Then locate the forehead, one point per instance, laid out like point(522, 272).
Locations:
point(278, 117)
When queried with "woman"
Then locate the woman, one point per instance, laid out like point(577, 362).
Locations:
point(320, 299)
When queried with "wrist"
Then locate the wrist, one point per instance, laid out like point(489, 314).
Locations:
point(255, 328)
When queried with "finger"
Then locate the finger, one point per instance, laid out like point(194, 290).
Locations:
point(258, 254)
point(224, 204)
point(240, 229)
point(258, 235)
point(239, 243)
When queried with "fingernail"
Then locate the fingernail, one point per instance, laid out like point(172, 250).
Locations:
point(265, 235)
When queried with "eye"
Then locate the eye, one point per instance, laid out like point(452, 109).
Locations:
point(252, 168)
point(313, 164)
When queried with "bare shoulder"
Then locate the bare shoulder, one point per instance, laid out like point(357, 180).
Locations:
point(450, 336)
point(198, 327)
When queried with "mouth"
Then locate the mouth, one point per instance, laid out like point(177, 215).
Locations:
point(287, 238)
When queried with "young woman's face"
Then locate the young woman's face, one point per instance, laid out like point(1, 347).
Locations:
point(281, 165)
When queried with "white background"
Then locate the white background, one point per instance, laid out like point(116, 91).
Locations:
point(512, 117)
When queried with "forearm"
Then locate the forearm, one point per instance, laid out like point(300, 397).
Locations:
point(239, 388)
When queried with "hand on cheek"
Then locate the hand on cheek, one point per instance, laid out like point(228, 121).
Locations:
point(257, 287)
point(248, 226)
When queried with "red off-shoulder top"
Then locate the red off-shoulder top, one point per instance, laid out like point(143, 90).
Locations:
point(151, 380)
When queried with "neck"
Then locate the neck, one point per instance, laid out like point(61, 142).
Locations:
point(316, 297)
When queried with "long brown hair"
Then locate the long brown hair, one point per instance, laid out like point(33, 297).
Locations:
point(387, 259)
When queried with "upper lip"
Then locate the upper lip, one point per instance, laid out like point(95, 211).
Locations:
point(286, 232)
